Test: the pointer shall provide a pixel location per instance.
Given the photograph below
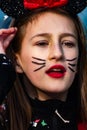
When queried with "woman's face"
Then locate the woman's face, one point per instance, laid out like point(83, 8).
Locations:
point(49, 55)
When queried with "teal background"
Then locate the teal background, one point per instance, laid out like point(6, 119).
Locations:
point(83, 17)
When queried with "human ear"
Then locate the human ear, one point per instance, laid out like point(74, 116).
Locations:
point(18, 64)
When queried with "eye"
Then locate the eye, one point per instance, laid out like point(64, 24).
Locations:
point(68, 44)
point(42, 43)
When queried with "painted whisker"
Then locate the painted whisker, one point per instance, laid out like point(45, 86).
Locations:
point(39, 68)
point(38, 63)
point(38, 59)
point(71, 69)
point(71, 59)
point(72, 64)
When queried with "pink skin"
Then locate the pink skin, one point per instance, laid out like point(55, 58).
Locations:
point(53, 38)
point(6, 35)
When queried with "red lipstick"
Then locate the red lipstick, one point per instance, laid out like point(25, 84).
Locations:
point(56, 71)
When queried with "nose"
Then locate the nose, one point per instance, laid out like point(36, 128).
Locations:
point(55, 52)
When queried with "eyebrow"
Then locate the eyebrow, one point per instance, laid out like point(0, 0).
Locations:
point(68, 35)
point(49, 34)
point(41, 35)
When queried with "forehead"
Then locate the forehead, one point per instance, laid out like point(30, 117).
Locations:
point(51, 22)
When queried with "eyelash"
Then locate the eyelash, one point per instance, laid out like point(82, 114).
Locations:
point(42, 43)
point(68, 44)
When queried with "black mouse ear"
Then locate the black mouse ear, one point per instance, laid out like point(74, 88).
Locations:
point(16, 8)
point(76, 6)
point(13, 8)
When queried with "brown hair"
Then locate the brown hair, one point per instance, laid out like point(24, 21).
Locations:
point(18, 99)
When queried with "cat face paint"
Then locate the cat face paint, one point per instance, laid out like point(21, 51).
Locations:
point(49, 55)
point(40, 62)
point(71, 64)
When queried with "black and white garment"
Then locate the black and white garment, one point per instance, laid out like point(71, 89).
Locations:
point(53, 115)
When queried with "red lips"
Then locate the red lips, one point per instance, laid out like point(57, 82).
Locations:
point(56, 71)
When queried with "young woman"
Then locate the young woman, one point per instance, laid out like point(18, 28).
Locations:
point(49, 56)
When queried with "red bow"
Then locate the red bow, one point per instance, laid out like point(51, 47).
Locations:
point(32, 4)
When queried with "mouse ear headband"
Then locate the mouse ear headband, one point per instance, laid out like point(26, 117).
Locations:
point(16, 8)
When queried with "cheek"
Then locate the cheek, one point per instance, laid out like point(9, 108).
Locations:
point(26, 61)
point(71, 64)
point(28, 65)
point(71, 58)
point(71, 71)
point(29, 69)
point(72, 54)
point(34, 76)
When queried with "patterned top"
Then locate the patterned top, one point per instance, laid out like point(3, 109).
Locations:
point(53, 115)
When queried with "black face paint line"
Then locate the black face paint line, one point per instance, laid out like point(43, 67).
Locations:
point(71, 69)
point(71, 65)
point(39, 68)
point(72, 59)
point(40, 62)
point(39, 59)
